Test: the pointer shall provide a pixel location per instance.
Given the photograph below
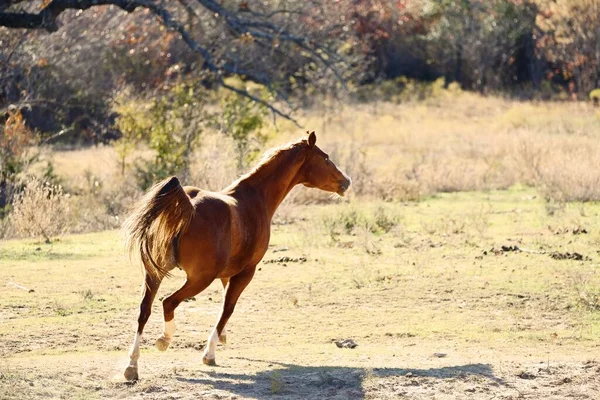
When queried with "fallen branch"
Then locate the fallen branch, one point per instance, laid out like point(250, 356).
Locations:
point(16, 285)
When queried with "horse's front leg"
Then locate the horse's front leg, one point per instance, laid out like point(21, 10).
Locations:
point(233, 290)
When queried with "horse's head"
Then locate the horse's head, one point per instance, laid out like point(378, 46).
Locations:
point(319, 171)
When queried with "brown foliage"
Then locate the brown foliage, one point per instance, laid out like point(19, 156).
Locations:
point(41, 210)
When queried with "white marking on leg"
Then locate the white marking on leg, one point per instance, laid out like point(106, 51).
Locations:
point(169, 329)
point(134, 352)
point(131, 372)
point(163, 342)
point(211, 345)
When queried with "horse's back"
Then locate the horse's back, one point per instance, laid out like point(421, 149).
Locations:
point(225, 234)
point(206, 245)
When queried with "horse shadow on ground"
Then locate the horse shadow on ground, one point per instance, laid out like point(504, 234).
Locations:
point(322, 382)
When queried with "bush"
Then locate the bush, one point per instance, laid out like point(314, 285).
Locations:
point(348, 222)
point(15, 143)
point(178, 119)
point(103, 204)
point(242, 120)
point(173, 124)
point(41, 210)
point(134, 122)
point(214, 164)
point(170, 125)
point(595, 96)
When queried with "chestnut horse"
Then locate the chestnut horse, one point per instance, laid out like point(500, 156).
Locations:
point(214, 235)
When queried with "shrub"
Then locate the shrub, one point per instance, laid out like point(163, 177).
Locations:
point(384, 221)
point(15, 142)
point(242, 120)
point(586, 291)
point(41, 210)
point(177, 122)
point(214, 164)
point(134, 121)
point(103, 206)
point(351, 222)
point(595, 96)
point(171, 125)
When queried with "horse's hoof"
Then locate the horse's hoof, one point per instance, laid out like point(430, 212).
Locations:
point(162, 343)
point(131, 373)
point(209, 361)
point(223, 339)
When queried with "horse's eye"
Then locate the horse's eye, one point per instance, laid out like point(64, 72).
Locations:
point(326, 158)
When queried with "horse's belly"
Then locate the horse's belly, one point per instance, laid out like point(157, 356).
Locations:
point(240, 261)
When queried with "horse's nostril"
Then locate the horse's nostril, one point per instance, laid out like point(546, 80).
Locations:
point(344, 184)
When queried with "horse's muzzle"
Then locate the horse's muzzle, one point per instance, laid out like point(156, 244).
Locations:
point(344, 185)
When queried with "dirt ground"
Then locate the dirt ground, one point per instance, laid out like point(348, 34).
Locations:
point(409, 371)
point(456, 297)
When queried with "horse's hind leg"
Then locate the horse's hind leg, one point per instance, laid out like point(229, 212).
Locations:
point(223, 334)
point(236, 286)
point(190, 288)
point(149, 291)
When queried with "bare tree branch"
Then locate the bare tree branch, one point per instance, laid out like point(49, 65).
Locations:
point(46, 19)
point(267, 30)
point(260, 101)
point(242, 22)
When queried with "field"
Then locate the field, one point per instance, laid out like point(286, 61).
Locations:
point(462, 263)
point(471, 295)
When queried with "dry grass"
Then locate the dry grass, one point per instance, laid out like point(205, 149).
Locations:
point(465, 142)
point(100, 161)
point(452, 141)
point(41, 210)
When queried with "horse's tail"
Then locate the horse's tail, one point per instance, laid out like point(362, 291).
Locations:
point(161, 216)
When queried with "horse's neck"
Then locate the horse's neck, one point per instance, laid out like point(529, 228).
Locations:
point(273, 182)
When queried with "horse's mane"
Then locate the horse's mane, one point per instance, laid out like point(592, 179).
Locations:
point(267, 161)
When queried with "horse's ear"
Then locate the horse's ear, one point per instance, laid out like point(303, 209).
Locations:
point(312, 139)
